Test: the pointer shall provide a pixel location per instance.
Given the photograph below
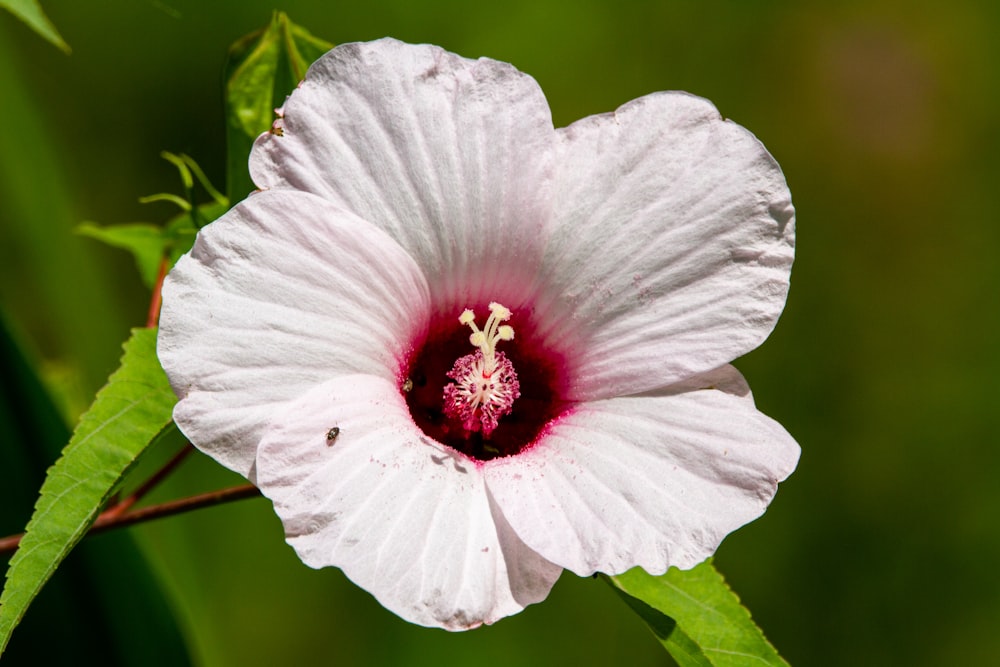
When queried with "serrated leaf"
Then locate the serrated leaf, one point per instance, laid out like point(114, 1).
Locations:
point(31, 13)
point(697, 617)
point(263, 68)
point(101, 577)
point(127, 415)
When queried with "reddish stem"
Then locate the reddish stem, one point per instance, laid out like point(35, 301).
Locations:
point(107, 521)
point(120, 507)
point(153, 318)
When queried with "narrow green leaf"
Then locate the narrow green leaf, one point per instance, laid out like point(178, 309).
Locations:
point(186, 179)
point(697, 617)
point(180, 202)
point(263, 68)
point(128, 413)
point(188, 170)
point(219, 198)
point(31, 13)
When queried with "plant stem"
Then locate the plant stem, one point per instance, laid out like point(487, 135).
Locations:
point(111, 519)
point(122, 506)
point(153, 318)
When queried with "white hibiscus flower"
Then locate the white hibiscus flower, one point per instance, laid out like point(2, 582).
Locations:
point(318, 334)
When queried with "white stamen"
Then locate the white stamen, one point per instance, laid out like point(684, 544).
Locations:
point(485, 381)
point(491, 334)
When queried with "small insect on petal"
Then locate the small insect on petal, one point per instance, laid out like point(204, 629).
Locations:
point(407, 385)
point(331, 435)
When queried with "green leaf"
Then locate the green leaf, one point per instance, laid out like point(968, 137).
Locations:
point(697, 617)
point(188, 164)
point(31, 13)
point(180, 202)
point(77, 618)
point(145, 241)
point(150, 243)
point(263, 68)
point(127, 415)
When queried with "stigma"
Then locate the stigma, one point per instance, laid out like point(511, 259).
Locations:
point(485, 383)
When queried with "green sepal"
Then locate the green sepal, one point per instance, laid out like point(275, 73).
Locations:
point(128, 414)
point(263, 68)
point(697, 617)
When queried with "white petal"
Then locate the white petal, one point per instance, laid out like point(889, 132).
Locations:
point(653, 481)
point(725, 378)
point(672, 246)
point(405, 518)
point(452, 157)
point(278, 295)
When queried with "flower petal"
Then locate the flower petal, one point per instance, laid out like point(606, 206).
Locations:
point(654, 481)
point(725, 378)
point(276, 296)
point(672, 247)
point(405, 518)
point(452, 157)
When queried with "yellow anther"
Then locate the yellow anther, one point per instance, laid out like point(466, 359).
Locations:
point(499, 311)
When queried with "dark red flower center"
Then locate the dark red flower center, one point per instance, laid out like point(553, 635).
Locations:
point(484, 415)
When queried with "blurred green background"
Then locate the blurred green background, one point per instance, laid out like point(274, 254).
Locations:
point(882, 549)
